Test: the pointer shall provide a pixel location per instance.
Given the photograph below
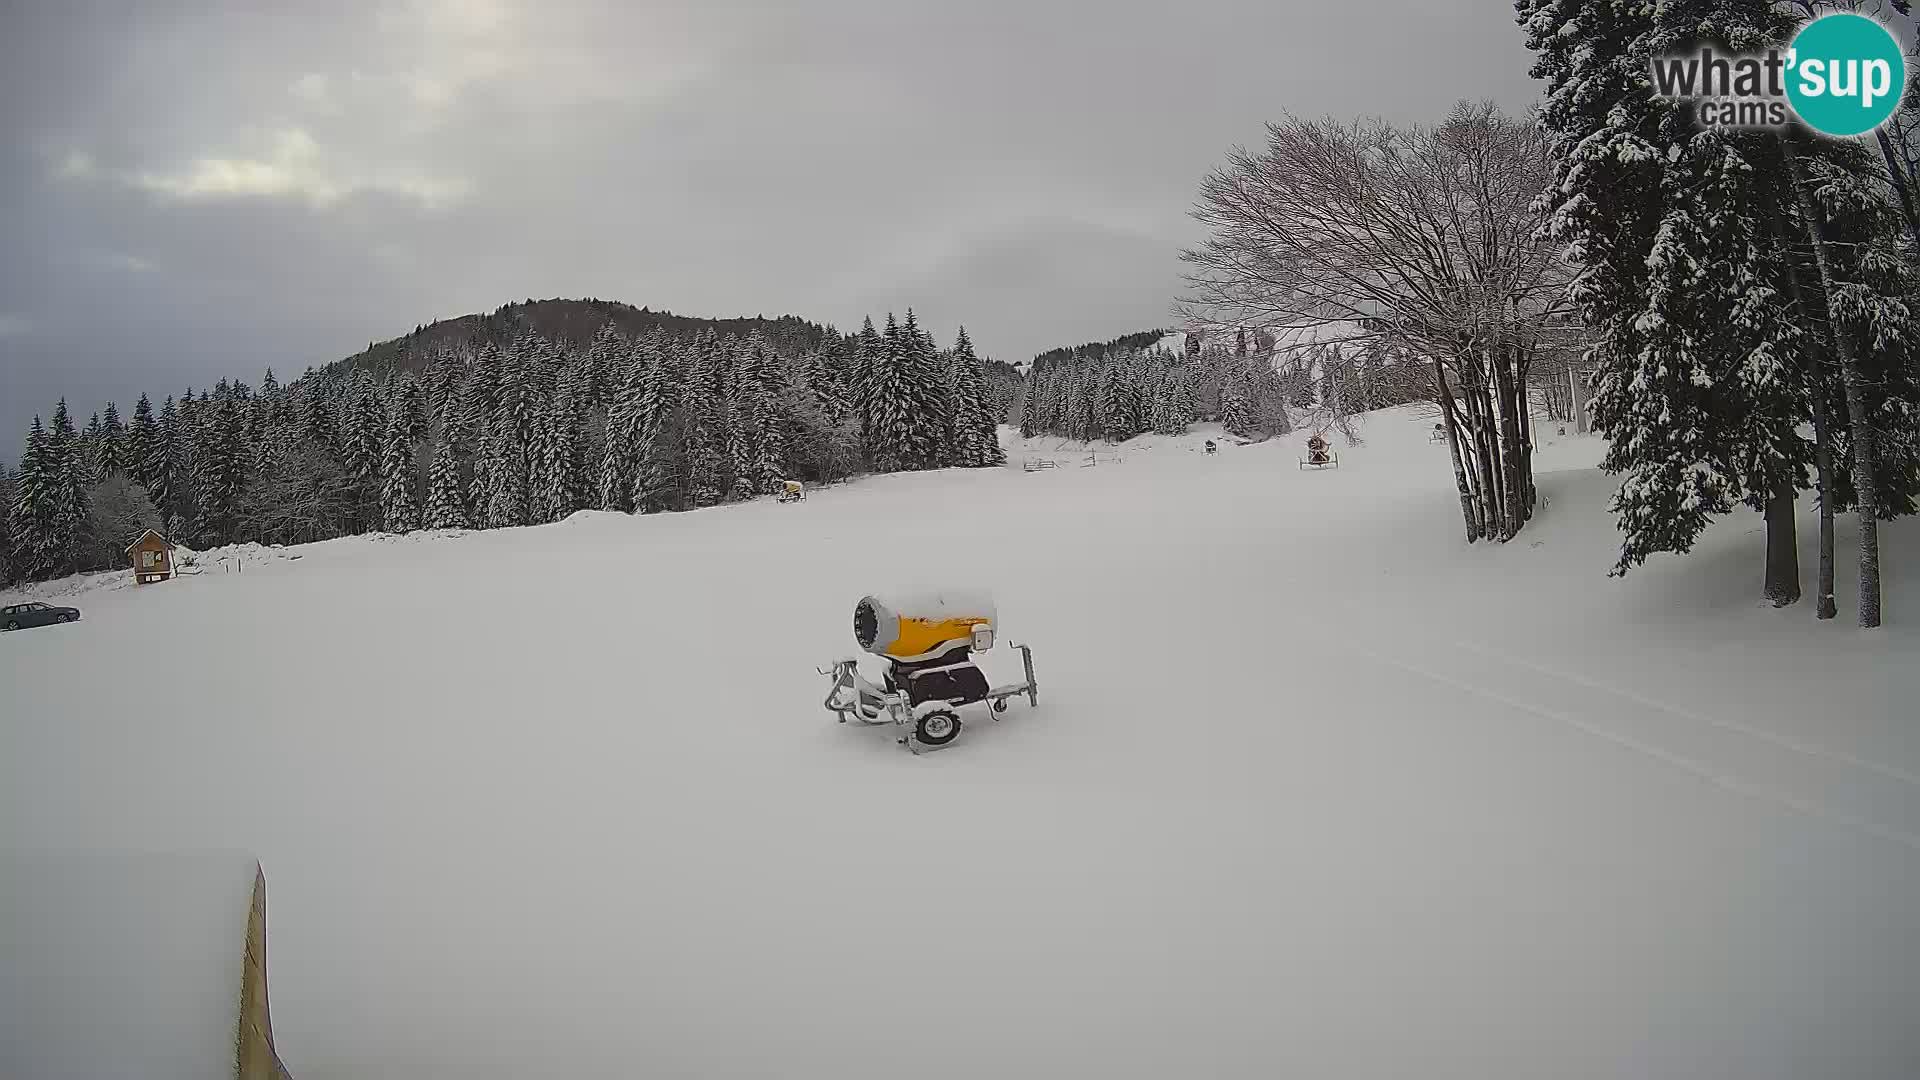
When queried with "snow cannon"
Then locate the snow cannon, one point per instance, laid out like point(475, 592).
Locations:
point(925, 625)
point(927, 640)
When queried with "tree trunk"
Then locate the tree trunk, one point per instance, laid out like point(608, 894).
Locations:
point(1514, 485)
point(1453, 448)
point(1814, 380)
point(1487, 441)
point(1823, 469)
point(1477, 453)
point(1783, 548)
point(1901, 188)
point(1866, 494)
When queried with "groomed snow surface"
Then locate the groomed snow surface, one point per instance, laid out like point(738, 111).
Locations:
point(1314, 789)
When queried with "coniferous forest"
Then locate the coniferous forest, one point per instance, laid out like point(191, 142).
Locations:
point(521, 417)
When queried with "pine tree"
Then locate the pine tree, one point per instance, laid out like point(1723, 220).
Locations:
point(446, 498)
point(9, 553)
point(482, 385)
point(1674, 226)
point(219, 472)
point(406, 407)
point(605, 357)
point(505, 476)
point(869, 351)
point(89, 450)
point(704, 465)
point(823, 379)
point(161, 468)
point(399, 506)
point(322, 426)
point(39, 543)
point(976, 431)
point(112, 454)
point(927, 413)
point(618, 459)
point(1031, 409)
point(361, 428)
point(662, 391)
point(551, 472)
point(141, 437)
point(1236, 412)
point(1115, 423)
point(70, 482)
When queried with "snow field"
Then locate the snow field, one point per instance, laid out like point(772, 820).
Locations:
point(1313, 788)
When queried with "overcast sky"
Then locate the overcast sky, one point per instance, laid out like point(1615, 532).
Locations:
point(190, 191)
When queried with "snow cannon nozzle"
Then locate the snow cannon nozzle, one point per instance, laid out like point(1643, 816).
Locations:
point(919, 625)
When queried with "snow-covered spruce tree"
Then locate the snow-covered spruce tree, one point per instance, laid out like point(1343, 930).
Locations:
point(1236, 411)
point(219, 473)
point(361, 427)
point(869, 352)
point(482, 385)
point(618, 459)
point(158, 469)
point(70, 484)
point(602, 371)
point(446, 496)
point(90, 449)
point(703, 464)
point(35, 511)
point(399, 506)
point(319, 421)
point(1030, 403)
point(406, 407)
point(110, 454)
point(141, 436)
point(661, 442)
point(557, 472)
point(921, 388)
point(823, 367)
point(9, 551)
point(1701, 386)
point(761, 385)
point(505, 477)
point(977, 427)
point(1114, 422)
point(890, 402)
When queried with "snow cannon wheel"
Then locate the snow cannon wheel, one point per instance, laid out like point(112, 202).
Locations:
point(937, 727)
point(999, 704)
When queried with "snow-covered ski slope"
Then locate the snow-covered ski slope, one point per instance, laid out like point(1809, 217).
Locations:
point(1314, 788)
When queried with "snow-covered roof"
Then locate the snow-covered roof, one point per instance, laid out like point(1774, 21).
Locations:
point(138, 540)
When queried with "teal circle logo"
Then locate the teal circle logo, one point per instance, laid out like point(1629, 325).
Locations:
point(1845, 74)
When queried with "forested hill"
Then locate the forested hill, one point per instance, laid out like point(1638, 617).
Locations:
point(571, 324)
point(1094, 350)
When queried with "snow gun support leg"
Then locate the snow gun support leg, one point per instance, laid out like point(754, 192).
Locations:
point(853, 697)
point(997, 697)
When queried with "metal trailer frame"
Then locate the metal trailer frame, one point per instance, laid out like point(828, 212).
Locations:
point(852, 697)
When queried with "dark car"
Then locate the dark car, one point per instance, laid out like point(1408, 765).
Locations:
point(21, 616)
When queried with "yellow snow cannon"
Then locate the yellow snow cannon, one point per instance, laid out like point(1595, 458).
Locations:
point(927, 640)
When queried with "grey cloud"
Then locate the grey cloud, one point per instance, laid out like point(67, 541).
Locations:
point(197, 190)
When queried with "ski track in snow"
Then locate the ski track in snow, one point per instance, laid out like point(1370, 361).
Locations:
point(1773, 738)
point(1706, 771)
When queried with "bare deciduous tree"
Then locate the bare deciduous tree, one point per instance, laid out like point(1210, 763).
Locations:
point(1422, 242)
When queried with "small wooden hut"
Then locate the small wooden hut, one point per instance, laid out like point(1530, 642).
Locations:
point(152, 558)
